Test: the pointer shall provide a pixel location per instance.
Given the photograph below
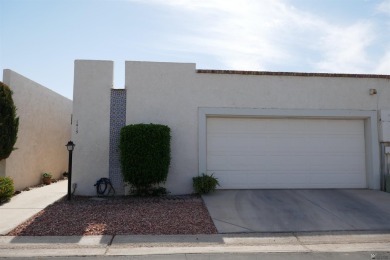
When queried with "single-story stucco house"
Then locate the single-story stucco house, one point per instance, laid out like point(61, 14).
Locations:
point(251, 129)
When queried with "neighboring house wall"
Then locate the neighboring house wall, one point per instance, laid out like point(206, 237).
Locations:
point(44, 129)
point(183, 98)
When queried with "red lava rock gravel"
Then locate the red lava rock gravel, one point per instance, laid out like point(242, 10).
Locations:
point(120, 216)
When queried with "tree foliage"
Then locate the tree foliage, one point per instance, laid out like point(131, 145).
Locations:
point(9, 122)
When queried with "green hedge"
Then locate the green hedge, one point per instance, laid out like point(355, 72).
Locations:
point(9, 123)
point(6, 189)
point(145, 155)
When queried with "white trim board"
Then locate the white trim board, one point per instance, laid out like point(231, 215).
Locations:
point(370, 126)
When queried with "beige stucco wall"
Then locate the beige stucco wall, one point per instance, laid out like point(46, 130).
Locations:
point(44, 129)
point(91, 123)
point(171, 93)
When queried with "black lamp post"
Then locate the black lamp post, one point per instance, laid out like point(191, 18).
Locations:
point(70, 146)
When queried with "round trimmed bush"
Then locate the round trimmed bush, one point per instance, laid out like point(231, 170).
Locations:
point(145, 155)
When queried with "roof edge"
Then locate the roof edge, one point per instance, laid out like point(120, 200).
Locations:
point(293, 74)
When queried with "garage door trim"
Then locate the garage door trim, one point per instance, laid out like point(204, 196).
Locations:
point(370, 126)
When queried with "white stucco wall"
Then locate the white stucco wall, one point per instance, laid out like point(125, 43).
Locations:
point(44, 129)
point(171, 94)
point(91, 123)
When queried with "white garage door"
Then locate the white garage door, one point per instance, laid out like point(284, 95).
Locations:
point(250, 153)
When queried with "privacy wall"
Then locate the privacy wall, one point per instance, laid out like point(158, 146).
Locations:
point(199, 105)
point(44, 129)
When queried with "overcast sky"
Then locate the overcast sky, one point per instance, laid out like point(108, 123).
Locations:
point(40, 39)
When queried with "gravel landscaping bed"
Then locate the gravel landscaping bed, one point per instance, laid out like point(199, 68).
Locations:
point(120, 216)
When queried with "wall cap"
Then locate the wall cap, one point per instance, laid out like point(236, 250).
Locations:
point(293, 74)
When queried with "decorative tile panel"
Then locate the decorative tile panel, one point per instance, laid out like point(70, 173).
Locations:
point(117, 121)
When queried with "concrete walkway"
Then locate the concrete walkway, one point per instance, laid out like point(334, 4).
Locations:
point(28, 203)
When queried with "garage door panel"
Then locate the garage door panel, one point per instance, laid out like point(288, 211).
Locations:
point(288, 143)
point(240, 180)
point(279, 126)
point(285, 146)
point(289, 162)
point(282, 153)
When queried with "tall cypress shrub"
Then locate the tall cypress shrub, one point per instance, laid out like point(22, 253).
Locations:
point(9, 122)
point(145, 155)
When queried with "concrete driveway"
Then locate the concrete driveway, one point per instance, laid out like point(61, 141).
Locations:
point(299, 210)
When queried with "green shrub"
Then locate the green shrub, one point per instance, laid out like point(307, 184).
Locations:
point(150, 192)
point(145, 155)
point(6, 189)
point(204, 183)
point(9, 123)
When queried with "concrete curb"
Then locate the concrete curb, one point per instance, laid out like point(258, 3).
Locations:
point(53, 246)
point(192, 244)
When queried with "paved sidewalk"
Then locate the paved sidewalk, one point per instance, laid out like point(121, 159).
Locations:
point(28, 203)
point(175, 245)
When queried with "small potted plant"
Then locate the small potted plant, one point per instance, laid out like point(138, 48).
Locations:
point(204, 183)
point(46, 178)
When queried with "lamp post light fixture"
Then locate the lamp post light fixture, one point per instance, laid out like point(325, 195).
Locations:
point(70, 146)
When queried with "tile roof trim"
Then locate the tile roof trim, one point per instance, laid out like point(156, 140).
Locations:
point(294, 74)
